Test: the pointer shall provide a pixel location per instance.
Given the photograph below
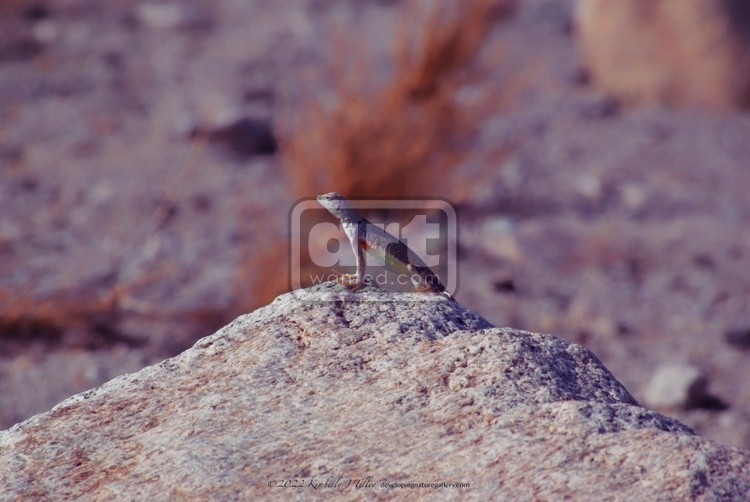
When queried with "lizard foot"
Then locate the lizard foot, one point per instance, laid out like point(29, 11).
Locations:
point(351, 281)
point(434, 291)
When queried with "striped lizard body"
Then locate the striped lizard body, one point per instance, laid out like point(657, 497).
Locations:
point(364, 236)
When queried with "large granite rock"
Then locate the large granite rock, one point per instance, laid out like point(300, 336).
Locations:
point(685, 52)
point(357, 394)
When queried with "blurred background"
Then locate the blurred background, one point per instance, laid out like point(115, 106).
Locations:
point(597, 151)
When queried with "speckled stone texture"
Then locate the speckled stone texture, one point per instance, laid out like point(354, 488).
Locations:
point(380, 388)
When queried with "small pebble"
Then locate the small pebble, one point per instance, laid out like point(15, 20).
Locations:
point(676, 385)
point(738, 337)
point(161, 16)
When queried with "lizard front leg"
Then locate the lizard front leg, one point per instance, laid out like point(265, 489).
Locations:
point(354, 234)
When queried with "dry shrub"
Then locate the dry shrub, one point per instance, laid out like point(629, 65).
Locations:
point(93, 321)
point(74, 318)
point(404, 138)
point(398, 140)
point(262, 272)
point(92, 315)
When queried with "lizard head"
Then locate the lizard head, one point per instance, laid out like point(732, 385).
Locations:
point(336, 204)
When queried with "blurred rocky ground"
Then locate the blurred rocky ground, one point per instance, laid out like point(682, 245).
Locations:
point(143, 200)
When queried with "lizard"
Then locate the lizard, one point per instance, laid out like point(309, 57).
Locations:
point(365, 236)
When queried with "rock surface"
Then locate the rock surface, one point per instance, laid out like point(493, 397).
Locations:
point(364, 395)
point(684, 53)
